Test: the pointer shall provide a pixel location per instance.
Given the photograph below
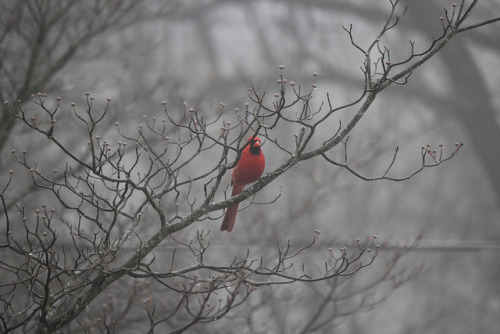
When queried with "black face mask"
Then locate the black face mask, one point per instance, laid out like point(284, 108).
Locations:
point(254, 149)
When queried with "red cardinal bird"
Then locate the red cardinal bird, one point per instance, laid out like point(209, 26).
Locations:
point(249, 168)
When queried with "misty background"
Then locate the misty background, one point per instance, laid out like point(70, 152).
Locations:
point(204, 52)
